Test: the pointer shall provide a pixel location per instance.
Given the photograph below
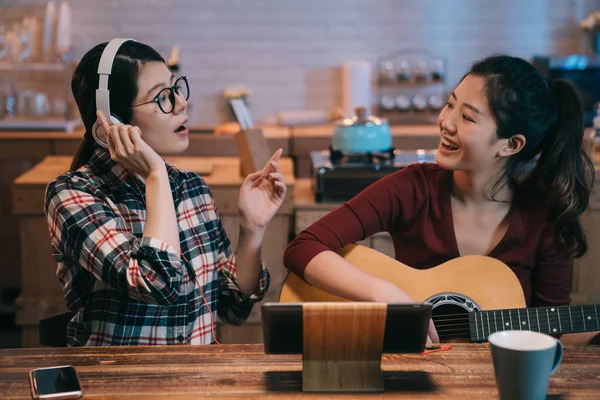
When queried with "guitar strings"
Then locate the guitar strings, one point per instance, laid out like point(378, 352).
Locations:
point(442, 318)
point(452, 325)
point(494, 328)
point(514, 310)
point(445, 329)
point(467, 333)
point(562, 319)
point(449, 324)
point(449, 328)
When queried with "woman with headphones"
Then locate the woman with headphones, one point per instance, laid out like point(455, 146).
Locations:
point(142, 255)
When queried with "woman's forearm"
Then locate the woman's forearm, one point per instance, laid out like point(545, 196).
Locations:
point(247, 258)
point(161, 219)
point(329, 272)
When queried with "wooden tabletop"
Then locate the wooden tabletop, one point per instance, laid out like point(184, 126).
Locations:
point(244, 371)
point(224, 179)
point(223, 170)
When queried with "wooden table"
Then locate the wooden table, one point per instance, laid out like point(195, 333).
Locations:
point(244, 371)
point(43, 297)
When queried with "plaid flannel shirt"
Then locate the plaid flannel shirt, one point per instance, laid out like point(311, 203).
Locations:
point(126, 289)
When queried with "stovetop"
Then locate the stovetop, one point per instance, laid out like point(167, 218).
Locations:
point(340, 176)
point(394, 158)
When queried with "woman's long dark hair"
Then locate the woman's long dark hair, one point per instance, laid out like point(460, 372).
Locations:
point(122, 85)
point(549, 114)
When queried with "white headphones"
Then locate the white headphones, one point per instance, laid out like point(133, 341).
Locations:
point(102, 93)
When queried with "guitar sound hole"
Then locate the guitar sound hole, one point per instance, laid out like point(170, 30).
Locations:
point(451, 322)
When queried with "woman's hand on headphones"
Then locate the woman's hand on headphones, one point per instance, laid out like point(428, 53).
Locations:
point(126, 147)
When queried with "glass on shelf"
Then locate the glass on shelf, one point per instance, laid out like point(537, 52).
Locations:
point(20, 41)
point(416, 95)
point(8, 98)
point(421, 72)
point(34, 90)
point(387, 103)
point(436, 102)
point(3, 48)
point(419, 103)
point(23, 35)
point(13, 45)
point(438, 71)
point(387, 73)
point(403, 103)
point(403, 71)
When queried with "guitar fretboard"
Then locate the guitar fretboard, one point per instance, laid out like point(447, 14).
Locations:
point(551, 320)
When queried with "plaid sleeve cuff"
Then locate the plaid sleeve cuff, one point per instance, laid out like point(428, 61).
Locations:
point(231, 284)
point(154, 249)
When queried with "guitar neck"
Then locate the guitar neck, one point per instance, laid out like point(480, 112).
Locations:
point(553, 320)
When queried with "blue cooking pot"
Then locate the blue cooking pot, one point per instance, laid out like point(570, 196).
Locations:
point(362, 134)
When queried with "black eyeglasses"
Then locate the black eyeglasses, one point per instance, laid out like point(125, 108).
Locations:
point(166, 97)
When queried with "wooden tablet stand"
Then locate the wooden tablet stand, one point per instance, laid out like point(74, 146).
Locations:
point(342, 346)
point(254, 150)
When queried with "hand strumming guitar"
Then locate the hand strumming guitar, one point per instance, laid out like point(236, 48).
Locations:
point(393, 294)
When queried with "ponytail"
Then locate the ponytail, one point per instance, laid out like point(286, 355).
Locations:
point(549, 115)
point(564, 173)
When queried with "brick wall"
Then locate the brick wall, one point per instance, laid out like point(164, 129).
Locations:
point(287, 51)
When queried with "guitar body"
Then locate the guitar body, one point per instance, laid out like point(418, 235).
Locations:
point(462, 293)
point(459, 286)
point(470, 283)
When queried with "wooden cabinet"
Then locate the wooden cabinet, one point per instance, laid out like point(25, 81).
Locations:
point(585, 284)
point(17, 156)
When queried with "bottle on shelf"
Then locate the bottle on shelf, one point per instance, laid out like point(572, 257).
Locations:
point(8, 97)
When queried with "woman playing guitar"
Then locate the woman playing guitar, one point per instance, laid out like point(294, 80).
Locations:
point(510, 182)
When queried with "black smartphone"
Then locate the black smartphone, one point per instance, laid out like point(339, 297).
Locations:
point(59, 382)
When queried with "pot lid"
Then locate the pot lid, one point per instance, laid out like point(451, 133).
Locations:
point(361, 119)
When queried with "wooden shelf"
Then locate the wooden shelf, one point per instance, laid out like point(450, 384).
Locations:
point(57, 124)
point(411, 117)
point(386, 83)
point(42, 67)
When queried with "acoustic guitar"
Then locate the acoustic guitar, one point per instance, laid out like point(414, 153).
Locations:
point(471, 296)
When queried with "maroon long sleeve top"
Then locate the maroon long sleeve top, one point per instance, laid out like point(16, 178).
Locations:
point(413, 205)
